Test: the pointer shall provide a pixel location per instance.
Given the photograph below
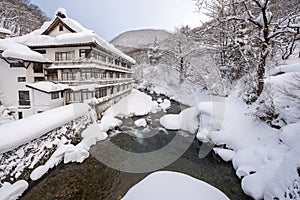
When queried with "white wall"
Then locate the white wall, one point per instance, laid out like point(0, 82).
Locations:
point(9, 85)
point(42, 101)
point(56, 31)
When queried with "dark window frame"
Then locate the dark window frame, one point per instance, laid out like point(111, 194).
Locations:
point(38, 68)
point(24, 98)
point(54, 95)
point(21, 79)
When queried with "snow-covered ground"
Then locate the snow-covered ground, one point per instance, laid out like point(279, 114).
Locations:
point(162, 79)
point(265, 158)
point(33, 140)
point(165, 185)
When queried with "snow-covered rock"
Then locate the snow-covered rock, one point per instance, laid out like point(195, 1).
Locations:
point(76, 153)
point(135, 104)
point(173, 185)
point(166, 104)
point(140, 123)
point(186, 120)
point(226, 154)
point(13, 191)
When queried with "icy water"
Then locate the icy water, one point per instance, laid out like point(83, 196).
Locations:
point(94, 180)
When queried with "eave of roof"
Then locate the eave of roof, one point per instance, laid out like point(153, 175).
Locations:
point(54, 24)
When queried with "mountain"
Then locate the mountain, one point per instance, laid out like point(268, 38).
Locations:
point(136, 43)
point(138, 39)
point(20, 16)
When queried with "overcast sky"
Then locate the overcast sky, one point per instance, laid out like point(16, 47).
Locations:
point(108, 18)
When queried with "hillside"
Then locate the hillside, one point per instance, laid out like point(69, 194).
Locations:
point(20, 16)
point(137, 39)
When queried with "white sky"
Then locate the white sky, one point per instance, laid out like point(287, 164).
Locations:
point(108, 18)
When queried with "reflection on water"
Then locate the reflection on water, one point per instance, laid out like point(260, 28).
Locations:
point(94, 180)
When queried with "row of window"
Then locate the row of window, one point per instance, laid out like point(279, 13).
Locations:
point(37, 67)
point(82, 95)
point(79, 96)
point(86, 74)
point(36, 79)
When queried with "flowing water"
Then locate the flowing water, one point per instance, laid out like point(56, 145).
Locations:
point(95, 180)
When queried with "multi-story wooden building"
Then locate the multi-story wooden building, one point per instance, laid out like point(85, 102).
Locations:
point(78, 66)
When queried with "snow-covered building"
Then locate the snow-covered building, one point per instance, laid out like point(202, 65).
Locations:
point(61, 63)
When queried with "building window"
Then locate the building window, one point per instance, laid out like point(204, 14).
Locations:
point(54, 95)
point(110, 60)
point(63, 56)
point(103, 92)
point(111, 75)
point(38, 79)
point(61, 28)
point(103, 75)
point(86, 74)
point(52, 75)
point(38, 68)
point(17, 64)
point(84, 53)
point(68, 76)
point(87, 94)
point(21, 79)
point(24, 99)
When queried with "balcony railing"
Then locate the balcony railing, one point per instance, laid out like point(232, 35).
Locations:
point(92, 61)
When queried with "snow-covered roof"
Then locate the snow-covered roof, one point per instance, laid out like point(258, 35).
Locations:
point(48, 86)
point(14, 50)
point(78, 35)
point(5, 31)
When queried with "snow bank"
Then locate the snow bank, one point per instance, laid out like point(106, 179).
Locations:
point(135, 104)
point(13, 191)
point(172, 185)
point(286, 69)
point(166, 104)
point(186, 120)
point(226, 154)
point(262, 156)
point(70, 153)
point(140, 123)
point(23, 131)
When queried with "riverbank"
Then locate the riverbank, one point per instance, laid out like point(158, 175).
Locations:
point(94, 180)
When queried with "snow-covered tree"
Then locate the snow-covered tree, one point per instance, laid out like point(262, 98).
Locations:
point(249, 32)
point(20, 16)
point(177, 52)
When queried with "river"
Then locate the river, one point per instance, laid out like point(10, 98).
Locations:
point(94, 180)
